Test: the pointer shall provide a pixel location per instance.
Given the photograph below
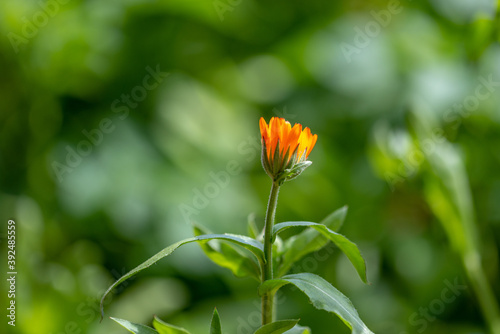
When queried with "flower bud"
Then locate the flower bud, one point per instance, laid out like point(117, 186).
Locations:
point(285, 149)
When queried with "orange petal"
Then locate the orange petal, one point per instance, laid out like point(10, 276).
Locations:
point(303, 141)
point(294, 137)
point(289, 138)
point(312, 142)
point(263, 127)
point(264, 132)
point(284, 138)
point(274, 129)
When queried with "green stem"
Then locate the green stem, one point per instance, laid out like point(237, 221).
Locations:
point(484, 293)
point(267, 271)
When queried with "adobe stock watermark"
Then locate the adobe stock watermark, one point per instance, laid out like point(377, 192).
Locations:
point(30, 27)
point(371, 30)
point(254, 319)
point(409, 166)
point(284, 113)
point(249, 149)
point(471, 102)
point(223, 6)
point(90, 308)
point(94, 137)
point(312, 261)
point(425, 315)
point(452, 116)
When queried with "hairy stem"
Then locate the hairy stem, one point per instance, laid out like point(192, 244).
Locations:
point(267, 271)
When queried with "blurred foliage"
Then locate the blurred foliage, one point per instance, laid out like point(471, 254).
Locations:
point(100, 170)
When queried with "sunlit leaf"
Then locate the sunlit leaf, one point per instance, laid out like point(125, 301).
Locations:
point(309, 241)
point(135, 328)
point(299, 330)
point(323, 296)
point(348, 247)
point(165, 328)
point(230, 256)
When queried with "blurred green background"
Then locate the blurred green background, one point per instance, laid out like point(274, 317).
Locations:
point(115, 115)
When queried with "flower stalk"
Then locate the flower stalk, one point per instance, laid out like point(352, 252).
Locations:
point(267, 272)
point(285, 150)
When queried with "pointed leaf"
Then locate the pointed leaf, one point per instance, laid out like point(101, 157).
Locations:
point(335, 220)
point(309, 241)
point(348, 247)
point(253, 245)
point(277, 327)
point(253, 231)
point(164, 328)
point(135, 328)
point(299, 330)
point(215, 326)
point(323, 296)
point(229, 256)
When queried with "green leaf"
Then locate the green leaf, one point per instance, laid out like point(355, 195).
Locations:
point(164, 328)
point(215, 326)
point(323, 296)
point(348, 247)
point(335, 220)
point(299, 330)
point(229, 256)
point(135, 328)
point(309, 241)
point(253, 231)
point(277, 327)
point(252, 245)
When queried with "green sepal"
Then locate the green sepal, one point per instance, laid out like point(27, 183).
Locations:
point(293, 159)
point(265, 160)
point(285, 159)
point(297, 170)
point(276, 160)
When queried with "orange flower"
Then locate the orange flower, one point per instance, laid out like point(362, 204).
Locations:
point(285, 149)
